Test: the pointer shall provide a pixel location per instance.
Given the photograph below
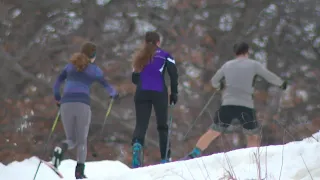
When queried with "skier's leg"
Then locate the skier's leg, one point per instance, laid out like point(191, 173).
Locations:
point(68, 121)
point(160, 104)
point(222, 120)
point(206, 139)
point(251, 127)
point(83, 120)
point(143, 112)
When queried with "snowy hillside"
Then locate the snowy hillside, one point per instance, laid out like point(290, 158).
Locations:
point(300, 162)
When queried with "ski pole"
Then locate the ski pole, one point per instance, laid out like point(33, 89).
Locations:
point(47, 142)
point(107, 115)
point(169, 130)
point(200, 114)
point(94, 152)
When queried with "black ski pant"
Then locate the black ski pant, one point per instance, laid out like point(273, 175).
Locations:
point(144, 100)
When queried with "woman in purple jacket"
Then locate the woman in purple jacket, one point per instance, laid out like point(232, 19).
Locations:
point(149, 66)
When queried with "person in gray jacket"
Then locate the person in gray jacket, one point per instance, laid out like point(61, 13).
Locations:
point(237, 98)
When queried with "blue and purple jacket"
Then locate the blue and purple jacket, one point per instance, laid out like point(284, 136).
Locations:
point(152, 75)
point(77, 86)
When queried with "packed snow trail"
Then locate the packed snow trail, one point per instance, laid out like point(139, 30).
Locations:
point(214, 167)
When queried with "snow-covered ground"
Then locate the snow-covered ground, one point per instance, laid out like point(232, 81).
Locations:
point(301, 161)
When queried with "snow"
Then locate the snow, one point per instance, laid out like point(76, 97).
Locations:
point(300, 159)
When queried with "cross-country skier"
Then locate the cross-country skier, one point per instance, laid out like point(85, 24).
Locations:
point(237, 99)
point(75, 110)
point(149, 66)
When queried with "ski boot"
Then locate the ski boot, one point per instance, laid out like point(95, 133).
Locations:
point(163, 161)
point(195, 153)
point(187, 157)
point(167, 158)
point(58, 154)
point(80, 171)
point(137, 155)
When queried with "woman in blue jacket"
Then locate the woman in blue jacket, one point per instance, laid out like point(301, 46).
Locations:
point(79, 74)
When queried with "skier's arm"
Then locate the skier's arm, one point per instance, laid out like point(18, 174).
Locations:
point(173, 73)
point(216, 79)
point(56, 87)
point(100, 78)
point(268, 75)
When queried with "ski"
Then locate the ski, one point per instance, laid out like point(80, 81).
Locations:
point(54, 169)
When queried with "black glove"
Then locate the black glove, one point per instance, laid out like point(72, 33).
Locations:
point(115, 96)
point(221, 86)
point(173, 99)
point(284, 85)
point(135, 77)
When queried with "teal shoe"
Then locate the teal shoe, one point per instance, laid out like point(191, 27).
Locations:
point(137, 155)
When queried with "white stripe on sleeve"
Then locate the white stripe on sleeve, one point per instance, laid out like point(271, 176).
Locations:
point(171, 60)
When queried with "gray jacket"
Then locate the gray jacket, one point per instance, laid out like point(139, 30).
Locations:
point(239, 75)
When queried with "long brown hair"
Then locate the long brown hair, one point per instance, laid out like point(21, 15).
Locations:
point(145, 54)
point(82, 60)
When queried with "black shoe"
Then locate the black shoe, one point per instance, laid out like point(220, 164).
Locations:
point(187, 157)
point(58, 154)
point(80, 171)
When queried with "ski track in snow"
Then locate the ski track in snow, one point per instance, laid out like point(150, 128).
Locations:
point(213, 167)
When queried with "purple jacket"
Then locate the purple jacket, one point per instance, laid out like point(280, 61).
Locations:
point(152, 76)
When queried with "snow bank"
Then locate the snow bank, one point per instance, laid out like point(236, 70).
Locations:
point(295, 157)
point(25, 170)
point(243, 163)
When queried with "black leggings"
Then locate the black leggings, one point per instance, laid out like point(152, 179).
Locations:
point(144, 100)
